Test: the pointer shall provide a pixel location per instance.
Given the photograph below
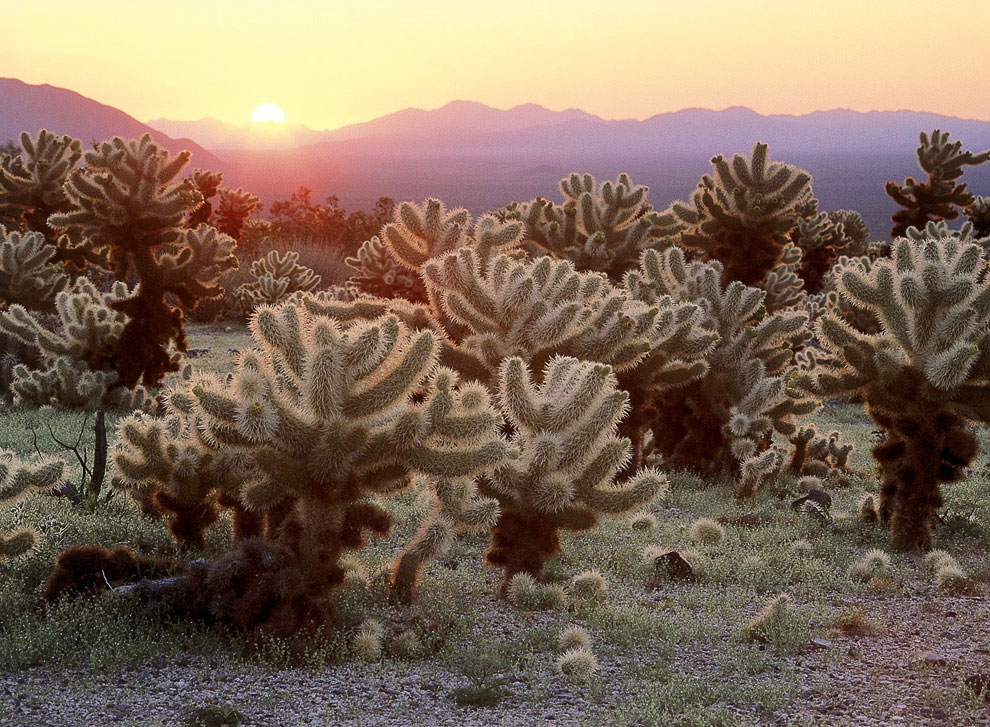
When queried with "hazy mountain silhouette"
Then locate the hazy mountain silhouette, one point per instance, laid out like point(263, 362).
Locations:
point(26, 107)
point(480, 157)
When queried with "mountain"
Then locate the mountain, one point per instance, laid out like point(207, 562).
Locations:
point(473, 155)
point(26, 107)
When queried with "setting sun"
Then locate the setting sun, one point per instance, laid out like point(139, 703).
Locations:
point(267, 112)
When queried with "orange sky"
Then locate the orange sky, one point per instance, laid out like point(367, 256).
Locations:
point(329, 63)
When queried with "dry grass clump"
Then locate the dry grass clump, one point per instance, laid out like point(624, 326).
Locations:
point(853, 623)
point(589, 585)
point(707, 531)
point(643, 521)
point(577, 665)
point(771, 620)
point(875, 563)
point(574, 637)
point(800, 548)
point(367, 644)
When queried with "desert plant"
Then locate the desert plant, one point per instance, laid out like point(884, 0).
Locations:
point(771, 619)
point(589, 585)
point(574, 637)
point(276, 277)
point(941, 196)
point(569, 454)
point(313, 425)
point(923, 378)
point(28, 277)
point(978, 214)
point(720, 423)
point(577, 664)
point(743, 213)
point(32, 182)
point(77, 358)
point(233, 208)
point(874, 563)
point(707, 531)
point(597, 228)
point(126, 206)
point(19, 478)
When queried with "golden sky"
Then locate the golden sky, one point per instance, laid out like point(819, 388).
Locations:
point(328, 63)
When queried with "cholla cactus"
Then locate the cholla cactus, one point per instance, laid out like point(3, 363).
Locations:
point(940, 197)
point(458, 506)
point(603, 229)
point(27, 275)
point(718, 422)
point(978, 214)
point(815, 455)
point(569, 454)
point(744, 213)
point(31, 183)
point(207, 183)
point(377, 273)
point(533, 310)
point(923, 377)
point(78, 358)
point(126, 205)
point(853, 229)
point(277, 276)
point(822, 239)
point(389, 266)
point(233, 209)
point(322, 419)
point(18, 479)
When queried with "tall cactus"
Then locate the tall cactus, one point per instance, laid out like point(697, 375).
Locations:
point(718, 422)
point(923, 376)
point(597, 228)
point(19, 478)
point(322, 420)
point(941, 196)
point(28, 277)
point(743, 213)
point(569, 455)
point(32, 183)
point(126, 204)
point(276, 276)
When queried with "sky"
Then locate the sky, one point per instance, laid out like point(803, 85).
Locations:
point(329, 63)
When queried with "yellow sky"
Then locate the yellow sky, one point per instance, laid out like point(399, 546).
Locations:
point(329, 63)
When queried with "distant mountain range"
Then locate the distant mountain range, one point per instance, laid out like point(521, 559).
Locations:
point(481, 157)
point(467, 127)
point(26, 107)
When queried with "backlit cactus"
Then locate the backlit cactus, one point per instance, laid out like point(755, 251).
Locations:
point(568, 456)
point(28, 277)
point(597, 228)
point(19, 478)
point(127, 207)
point(718, 422)
point(277, 276)
point(322, 419)
point(77, 359)
point(743, 214)
point(923, 376)
point(31, 183)
point(942, 195)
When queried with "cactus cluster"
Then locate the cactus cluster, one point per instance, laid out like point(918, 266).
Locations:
point(276, 277)
point(19, 478)
point(28, 277)
point(941, 196)
point(923, 376)
point(597, 228)
point(743, 213)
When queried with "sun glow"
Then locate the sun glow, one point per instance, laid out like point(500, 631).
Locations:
point(267, 112)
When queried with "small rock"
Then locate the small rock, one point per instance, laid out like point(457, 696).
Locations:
point(854, 652)
point(821, 644)
point(931, 658)
point(678, 569)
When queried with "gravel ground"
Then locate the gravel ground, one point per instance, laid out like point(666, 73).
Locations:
point(910, 672)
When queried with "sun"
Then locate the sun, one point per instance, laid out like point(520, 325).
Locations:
point(268, 112)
